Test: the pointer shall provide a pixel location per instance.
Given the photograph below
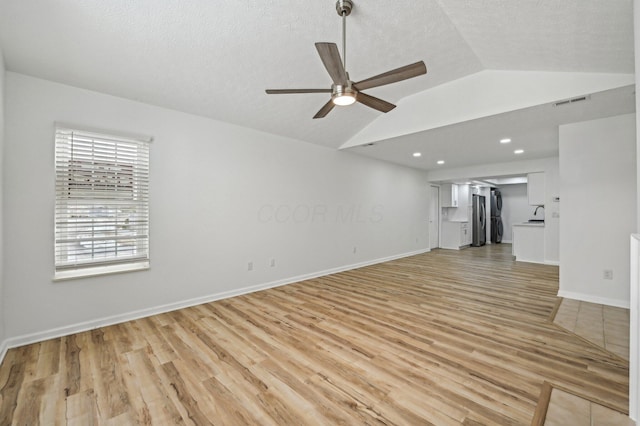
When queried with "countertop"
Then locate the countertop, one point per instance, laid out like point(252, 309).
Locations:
point(456, 221)
point(536, 224)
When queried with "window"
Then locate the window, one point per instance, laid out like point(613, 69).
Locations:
point(102, 203)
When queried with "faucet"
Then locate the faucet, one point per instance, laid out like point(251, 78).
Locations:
point(536, 210)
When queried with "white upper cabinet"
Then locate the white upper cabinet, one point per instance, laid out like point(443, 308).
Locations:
point(463, 196)
point(535, 189)
point(449, 195)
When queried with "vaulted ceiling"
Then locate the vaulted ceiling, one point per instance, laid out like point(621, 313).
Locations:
point(215, 59)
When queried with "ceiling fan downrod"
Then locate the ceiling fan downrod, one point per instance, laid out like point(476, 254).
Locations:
point(344, 7)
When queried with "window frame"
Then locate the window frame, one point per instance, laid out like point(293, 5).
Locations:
point(96, 191)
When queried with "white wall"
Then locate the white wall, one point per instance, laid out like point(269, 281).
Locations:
point(515, 208)
point(2, 304)
point(636, 32)
point(634, 362)
point(598, 195)
point(221, 196)
point(552, 185)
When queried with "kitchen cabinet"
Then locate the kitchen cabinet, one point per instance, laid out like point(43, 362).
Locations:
point(528, 242)
point(461, 212)
point(465, 234)
point(535, 189)
point(449, 195)
point(455, 235)
point(463, 198)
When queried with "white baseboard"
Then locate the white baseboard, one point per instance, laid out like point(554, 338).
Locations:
point(594, 299)
point(544, 262)
point(531, 261)
point(129, 316)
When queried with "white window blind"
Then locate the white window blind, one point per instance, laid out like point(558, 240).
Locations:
point(102, 201)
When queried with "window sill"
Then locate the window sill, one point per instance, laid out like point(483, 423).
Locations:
point(100, 270)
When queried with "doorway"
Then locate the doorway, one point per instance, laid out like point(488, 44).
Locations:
point(434, 218)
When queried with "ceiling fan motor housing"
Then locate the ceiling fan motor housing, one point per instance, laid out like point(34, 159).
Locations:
point(343, 7)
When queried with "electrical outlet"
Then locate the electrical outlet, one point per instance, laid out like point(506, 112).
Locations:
point(607, 274)
point(555, 214)
point(250, 266)
point(355, 249)
point(273, 263)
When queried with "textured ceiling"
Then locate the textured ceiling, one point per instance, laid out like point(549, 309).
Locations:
point(216, 58)
point(547, 35)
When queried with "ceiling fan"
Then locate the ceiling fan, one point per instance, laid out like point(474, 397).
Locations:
point(343, 90)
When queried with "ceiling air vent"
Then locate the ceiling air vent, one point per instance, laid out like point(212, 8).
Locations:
point(572, 101)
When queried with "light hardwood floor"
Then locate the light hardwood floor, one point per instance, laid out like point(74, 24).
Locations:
point(442, 338)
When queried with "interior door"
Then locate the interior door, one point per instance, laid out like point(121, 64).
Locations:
point(434, 218)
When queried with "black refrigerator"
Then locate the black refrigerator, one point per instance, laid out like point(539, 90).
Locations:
point(479, 221)
point(496, 216)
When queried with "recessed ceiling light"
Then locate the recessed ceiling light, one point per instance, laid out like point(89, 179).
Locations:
point(417, 154)
point(518, 151)
point(440, 161)
point(467, 183)
point(505, 140)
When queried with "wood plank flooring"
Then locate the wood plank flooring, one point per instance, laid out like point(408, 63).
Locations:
point(443, 338)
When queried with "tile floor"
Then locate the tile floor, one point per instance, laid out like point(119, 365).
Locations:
point(605, 326)
point(566, 409)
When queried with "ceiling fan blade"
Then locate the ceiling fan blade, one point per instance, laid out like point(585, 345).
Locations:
point(399, 74)
point(326, 109)
point(332, 62)
point(288, 91)
point(375, 103)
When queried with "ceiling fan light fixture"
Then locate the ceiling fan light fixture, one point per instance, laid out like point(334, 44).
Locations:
point(344, 99)
point(343, 95)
